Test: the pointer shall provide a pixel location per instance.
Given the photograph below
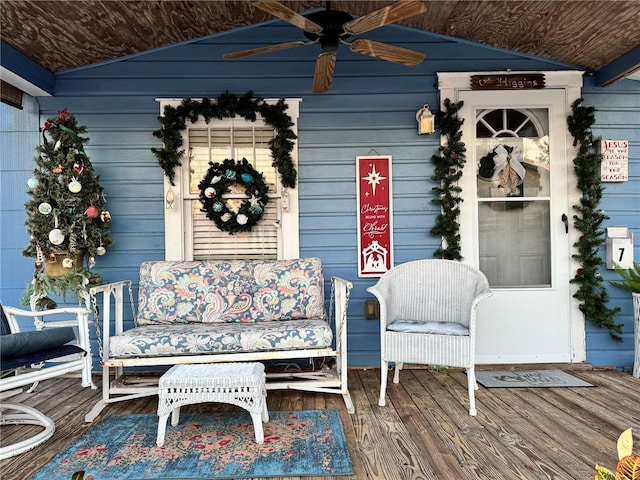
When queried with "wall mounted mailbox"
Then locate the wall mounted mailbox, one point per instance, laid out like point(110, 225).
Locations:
point(619, 247)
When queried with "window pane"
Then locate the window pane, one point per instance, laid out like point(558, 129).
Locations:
point(513, 167)
point(515, 247)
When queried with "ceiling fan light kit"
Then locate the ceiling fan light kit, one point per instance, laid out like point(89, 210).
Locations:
point(330, 28)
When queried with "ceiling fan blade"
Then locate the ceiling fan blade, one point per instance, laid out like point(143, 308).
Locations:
point(389, 14)
point(269, 48)
point(285, 13)
point(390, 53)
point(323, 76)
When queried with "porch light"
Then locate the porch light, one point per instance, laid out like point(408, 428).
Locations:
point(426, 124)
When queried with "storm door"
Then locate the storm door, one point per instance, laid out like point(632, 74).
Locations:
point(514, 223)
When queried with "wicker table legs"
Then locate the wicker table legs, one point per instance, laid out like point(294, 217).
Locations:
point(241, 384)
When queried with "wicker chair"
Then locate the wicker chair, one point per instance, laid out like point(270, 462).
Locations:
point(427, 317)
point(27, 358)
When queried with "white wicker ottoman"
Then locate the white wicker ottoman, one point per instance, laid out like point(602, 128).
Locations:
point(241, 384)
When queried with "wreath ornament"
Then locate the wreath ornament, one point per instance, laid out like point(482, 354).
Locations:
point(237, 178)
point(504, 165)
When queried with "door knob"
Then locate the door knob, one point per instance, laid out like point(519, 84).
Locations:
point(565, 220)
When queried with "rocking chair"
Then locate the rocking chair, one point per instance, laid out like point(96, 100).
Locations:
point(30, 357)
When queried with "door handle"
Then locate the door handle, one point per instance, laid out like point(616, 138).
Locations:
point(565, 220)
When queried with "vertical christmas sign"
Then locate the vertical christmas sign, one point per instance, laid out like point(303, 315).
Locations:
point(375, 234)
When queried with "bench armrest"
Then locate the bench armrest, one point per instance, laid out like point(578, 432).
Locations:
point(42, 319)
point(341, 291)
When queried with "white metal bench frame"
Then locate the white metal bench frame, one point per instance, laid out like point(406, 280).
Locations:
point(119, 385)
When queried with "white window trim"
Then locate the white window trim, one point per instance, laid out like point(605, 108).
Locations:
point(177, 246)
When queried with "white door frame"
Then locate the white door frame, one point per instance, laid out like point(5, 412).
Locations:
point(452, 83)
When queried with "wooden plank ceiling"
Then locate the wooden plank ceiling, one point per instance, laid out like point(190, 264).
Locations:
point(64, 34)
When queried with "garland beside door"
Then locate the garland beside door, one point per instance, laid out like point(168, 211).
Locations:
point(588, 219)
point(447, 174)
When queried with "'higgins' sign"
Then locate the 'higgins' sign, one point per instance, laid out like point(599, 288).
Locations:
point(508, 81)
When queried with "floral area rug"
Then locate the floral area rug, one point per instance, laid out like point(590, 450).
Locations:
point(207, 446)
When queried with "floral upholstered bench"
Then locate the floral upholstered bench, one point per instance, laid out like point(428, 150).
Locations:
point(227, 311)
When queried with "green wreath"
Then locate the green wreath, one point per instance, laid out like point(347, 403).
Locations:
point(174, 121)
point(218, 181)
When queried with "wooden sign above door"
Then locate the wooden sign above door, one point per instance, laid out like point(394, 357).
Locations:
point(508, 81)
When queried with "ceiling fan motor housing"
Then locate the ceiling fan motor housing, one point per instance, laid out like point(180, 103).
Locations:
point(331, 22)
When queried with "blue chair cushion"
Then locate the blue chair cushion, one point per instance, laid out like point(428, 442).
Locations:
point(26, 343)
point(4, 322)
point(21, 360)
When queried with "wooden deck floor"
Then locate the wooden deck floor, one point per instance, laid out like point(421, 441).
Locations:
point(424, 432)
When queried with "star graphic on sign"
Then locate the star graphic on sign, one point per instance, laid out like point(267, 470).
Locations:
point(374, 179)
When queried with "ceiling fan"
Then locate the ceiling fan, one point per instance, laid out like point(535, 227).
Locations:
point(330, 28)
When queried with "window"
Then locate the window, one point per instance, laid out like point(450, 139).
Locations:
point(189, 234)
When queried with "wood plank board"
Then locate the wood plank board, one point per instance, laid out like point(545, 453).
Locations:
point(424, 431)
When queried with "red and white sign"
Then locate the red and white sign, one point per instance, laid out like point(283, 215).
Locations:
point(375, 232)
point(615, 160)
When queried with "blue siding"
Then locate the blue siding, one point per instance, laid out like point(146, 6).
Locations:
point(371, 107)
point(617, 117)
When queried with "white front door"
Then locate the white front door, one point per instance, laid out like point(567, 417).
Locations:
point(516, 223)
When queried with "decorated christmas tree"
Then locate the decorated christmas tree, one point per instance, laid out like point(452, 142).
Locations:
point(67, 220)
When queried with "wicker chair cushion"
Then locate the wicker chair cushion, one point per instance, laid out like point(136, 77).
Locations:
point(202, 338)
point(434, 328)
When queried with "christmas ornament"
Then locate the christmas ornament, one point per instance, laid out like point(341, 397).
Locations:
point(33, 183)
point(92, 212)
point(57, 169)
point(106, 219)
point(74, 186)
point(39, 255)
point(45, 208)
point(101, 250)
point(78, 165)
point(67, 263)
point(56, 236)
point(209, 192)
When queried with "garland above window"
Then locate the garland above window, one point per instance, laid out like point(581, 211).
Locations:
point(588, 219)
point(233, 215)
point(447, 173)
point(227, 105)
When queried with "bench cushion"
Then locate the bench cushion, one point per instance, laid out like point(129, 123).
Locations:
point(199, 338)
point(232, 291)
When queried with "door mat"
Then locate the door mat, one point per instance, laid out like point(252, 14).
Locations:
point(207, 445)
point(528, 379)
